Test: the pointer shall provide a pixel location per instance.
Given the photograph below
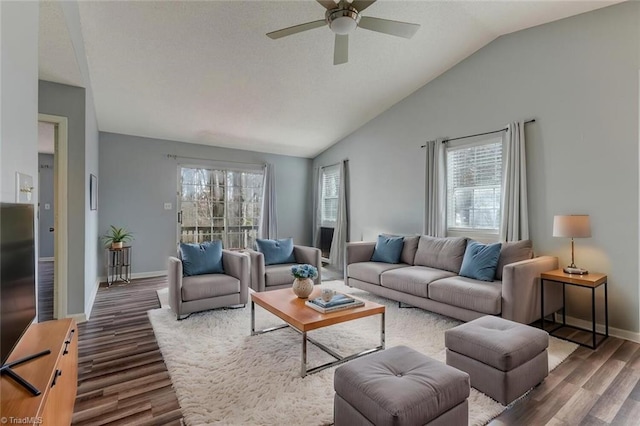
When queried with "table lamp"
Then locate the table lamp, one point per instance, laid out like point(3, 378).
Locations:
point(572, 226)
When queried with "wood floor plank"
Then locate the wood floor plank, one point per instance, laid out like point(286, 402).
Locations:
point(122, 378)
point(577, 407)
point(616, 394)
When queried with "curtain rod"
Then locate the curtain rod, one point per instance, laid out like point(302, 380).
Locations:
point(478, 134)
point(175, 157)
point(346, 160)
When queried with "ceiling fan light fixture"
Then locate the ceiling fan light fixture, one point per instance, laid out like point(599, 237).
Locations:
point(343, 21)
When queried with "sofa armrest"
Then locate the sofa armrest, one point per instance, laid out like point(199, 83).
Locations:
point(174, 276)
point(360, 251)
point(521, 290)
point(236, 264)
point(311, 256)
point(257, 270)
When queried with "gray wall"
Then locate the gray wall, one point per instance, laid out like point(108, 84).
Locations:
point(45, 216)
point(69, 101)
point(91, 252)
point(19, 86)
point(579, 78)
point(137, 178)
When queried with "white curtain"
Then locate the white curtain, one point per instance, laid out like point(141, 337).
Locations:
point(268, 227)
point(317, 206)
point(514, 225)
point(341, 230)
point(435, 220)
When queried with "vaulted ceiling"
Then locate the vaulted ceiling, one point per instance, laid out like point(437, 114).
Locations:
point(205, 72)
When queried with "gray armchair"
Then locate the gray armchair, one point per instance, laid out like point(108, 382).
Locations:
point(272, 277)
point(203, 292)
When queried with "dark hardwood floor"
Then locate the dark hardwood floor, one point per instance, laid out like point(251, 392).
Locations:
point(45, 290)
point(123, 380)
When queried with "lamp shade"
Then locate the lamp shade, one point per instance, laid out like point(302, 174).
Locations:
point(572, 226)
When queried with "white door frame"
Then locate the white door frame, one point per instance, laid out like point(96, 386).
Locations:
point(60, 213)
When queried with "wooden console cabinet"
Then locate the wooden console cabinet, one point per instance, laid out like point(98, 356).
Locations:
point(55, 375)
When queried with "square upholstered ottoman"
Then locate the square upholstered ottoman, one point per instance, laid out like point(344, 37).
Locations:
point(503, 358)
point(400, 386)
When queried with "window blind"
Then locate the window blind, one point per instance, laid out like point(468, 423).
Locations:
point(474, 180)
point(330, 192)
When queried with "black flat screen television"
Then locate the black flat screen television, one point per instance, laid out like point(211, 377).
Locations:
point(17, 274)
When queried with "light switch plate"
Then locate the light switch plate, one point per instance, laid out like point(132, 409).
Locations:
point(168, 206)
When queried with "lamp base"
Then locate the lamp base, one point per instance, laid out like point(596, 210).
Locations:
point(575, 271)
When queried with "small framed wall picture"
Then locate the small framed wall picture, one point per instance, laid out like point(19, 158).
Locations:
point(93, 192)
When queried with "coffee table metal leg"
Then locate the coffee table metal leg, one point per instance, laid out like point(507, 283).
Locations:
point(303, 364)
point(382, 336)
point(253, 318)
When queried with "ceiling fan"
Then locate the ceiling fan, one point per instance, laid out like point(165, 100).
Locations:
point(343, 18)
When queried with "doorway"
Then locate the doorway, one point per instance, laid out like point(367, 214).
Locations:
point(52, 217)
point(46, 207)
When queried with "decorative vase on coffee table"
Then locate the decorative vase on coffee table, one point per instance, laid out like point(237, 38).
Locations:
point(302, 287)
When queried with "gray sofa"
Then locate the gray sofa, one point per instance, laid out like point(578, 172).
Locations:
point(272, 277)
point(427, 277)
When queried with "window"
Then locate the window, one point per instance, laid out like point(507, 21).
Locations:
point(218, 204)
point(474, 186)
point(330, 190)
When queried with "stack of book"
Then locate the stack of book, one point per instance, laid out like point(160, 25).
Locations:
point(337, 303)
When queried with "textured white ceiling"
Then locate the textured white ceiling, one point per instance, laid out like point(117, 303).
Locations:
point(204, 72)
point(57, 60)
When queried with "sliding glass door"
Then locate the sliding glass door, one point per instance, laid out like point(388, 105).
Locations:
point(219, 204)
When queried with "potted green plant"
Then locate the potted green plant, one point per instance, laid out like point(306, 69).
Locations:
point(116, 237)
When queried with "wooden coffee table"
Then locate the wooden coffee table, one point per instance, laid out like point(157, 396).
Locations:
point(288, 307)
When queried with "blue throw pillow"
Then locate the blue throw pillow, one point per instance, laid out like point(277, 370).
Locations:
point(388, 249)
point(276, 251)
point(480, 261)
point(199, 259)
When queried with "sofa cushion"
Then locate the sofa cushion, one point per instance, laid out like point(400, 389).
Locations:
point(278, 274)
point(467, 293)
point(480, 261)
point(276, 252)
point(370, 271)
point(388, 249)
point(409, 247)
point(413, 279)
point(199, 259)
point(513, 252)
point(441, 253)
point(199, 287)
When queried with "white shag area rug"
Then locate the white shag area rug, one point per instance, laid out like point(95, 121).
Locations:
point(223, 375)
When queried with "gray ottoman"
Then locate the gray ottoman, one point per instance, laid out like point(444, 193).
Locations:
point(400, 386)
point(503, 358)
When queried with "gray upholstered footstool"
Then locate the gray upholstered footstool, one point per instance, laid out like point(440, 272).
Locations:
point(400, 386)
point(504, 358)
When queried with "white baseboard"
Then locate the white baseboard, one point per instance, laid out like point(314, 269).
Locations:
point(615, 332)
point(46, 259)
point(80, 318)
point(149, 274)
point(138, 275)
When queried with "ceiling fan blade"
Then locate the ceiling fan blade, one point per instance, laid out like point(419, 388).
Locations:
point(296, 29)
point(361, 5)
point(386, 26)
point(341, 49)
point(328, 4)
